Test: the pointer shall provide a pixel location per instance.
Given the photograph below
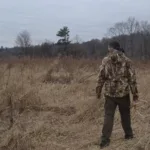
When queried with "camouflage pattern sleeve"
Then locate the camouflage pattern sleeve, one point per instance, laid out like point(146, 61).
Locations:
point(132, 79)
point(101, 79)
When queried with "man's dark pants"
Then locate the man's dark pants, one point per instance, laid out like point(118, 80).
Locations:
point(124, 108)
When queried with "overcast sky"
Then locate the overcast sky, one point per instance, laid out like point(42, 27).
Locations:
point(86, 18)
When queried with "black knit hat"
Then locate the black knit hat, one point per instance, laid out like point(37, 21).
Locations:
point(115, 45)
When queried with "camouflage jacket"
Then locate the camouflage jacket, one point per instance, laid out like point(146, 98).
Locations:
point(118, 76)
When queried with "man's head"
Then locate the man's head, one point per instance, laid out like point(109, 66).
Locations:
point(114, 45)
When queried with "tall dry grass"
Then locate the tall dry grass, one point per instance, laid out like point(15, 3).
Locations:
point(50, 104)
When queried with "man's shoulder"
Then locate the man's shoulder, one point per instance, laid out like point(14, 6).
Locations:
point(105, 60)
point(128, 60)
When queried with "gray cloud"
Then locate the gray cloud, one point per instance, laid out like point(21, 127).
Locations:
point(87, 18)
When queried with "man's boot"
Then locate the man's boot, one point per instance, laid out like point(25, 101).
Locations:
point(104, 143)
point(129, 137)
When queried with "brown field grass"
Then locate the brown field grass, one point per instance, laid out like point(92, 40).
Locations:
point(50, 105)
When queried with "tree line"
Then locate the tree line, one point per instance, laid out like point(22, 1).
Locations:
point(133, 35)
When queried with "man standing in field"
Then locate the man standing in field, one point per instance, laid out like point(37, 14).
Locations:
point(118, 76)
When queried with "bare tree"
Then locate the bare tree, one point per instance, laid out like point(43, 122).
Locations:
point(129, 27)
point(118, 29)
point(145, 27)
point(77, 40)
point(145, 36)
point(23, 40)
point(47, 48)
point(132, 25)
point(125, 28)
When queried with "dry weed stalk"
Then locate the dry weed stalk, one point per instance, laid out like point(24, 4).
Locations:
point(22, 67)
point(11, 112)
point(9, 73)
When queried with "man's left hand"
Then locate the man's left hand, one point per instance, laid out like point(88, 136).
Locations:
point(98, 96)
point(98, 92)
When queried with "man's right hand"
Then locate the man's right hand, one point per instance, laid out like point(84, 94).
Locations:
point(98, 92)
point(135, 101)
point(135, 98)
point(98, 96)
